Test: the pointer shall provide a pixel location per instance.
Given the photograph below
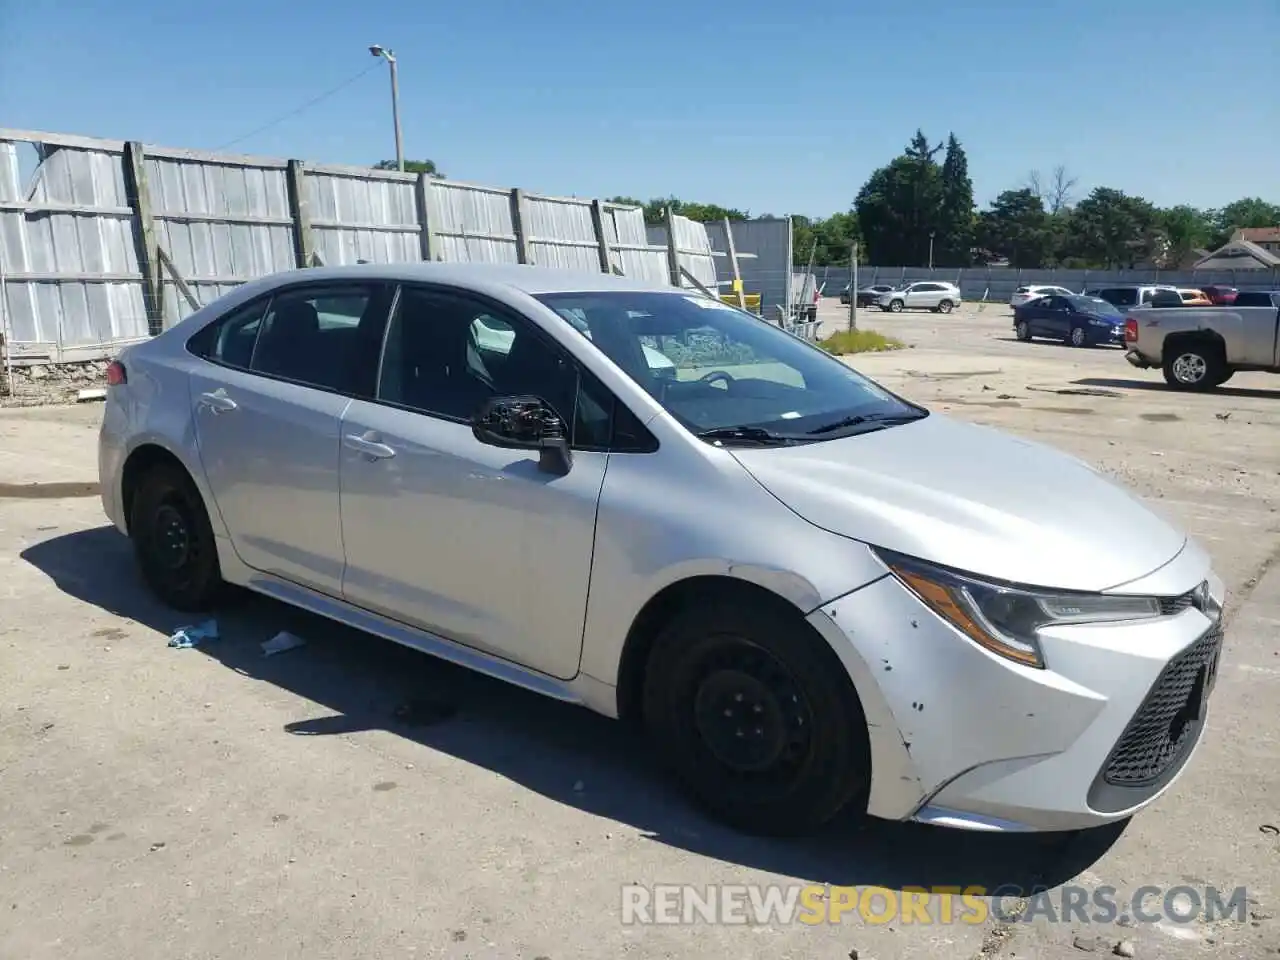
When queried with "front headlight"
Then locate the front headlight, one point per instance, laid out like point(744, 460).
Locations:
point(1006, 619)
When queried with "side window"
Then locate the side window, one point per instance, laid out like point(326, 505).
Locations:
point(325, 337)
point(446, 354)
point(230, 339)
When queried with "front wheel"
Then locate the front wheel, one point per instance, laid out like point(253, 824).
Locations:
point(1079, 337)
point(756, 717)
point(895, 306)
point(173, 540)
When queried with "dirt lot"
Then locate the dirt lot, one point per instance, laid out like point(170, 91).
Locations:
point(351, 799)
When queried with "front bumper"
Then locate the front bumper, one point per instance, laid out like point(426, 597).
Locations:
point(978, 742)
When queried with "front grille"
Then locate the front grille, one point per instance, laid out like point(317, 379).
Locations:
point(1169, 719)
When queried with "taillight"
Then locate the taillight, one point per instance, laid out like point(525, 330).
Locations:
point(1131, 331)
point(116, 375)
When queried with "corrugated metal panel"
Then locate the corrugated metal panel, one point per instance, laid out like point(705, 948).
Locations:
point(629, 230)
point(561, 234)
point(79, 311)
point(694, 251)
point(383, 215)
point(253, 238)
point(766, 271)
point(471, 224)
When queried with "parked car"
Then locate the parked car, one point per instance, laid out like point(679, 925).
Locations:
point(1077, 320)
point(1201, 348)
point(924, 295)
point(813, 593)
point(1033, 291)
point(1194, 298)
point(1220, 295)
point(1133, 295)
point(866, 295)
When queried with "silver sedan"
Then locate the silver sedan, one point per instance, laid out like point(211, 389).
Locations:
point(815, 594)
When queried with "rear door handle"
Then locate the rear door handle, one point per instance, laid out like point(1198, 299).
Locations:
point(217, 402)
point(372, 449)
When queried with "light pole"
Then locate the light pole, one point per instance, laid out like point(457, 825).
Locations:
point(390, 57)
point(931, 233)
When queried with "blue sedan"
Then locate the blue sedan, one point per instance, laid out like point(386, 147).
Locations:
point(1078, 321)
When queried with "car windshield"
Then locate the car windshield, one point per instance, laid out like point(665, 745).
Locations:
point(1096, 306)
point(730, 371)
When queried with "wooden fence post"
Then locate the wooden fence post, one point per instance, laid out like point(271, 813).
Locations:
point(517, 226)
point(135, 181)
point(673, 251)
point(300, 213)
point(602, 238)
point(427, 235)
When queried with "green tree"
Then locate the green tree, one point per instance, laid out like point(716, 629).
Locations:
point(1244, 213)
point(1110, 229)
point(955, 229)
point(412, 166)
point(1184, 229)
point(899, 205)
point(1018, 228)
point(655, 210)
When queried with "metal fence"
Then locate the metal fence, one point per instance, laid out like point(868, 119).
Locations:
point(999, 283)
point(109, 242)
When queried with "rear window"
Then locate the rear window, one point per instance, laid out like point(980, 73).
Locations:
point(1253, 298)
point(1023, 290)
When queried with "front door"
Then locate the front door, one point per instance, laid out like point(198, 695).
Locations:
point(468, 541)
point(268, 398)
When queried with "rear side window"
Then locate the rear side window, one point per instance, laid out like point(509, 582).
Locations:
point(327, 337)
point(1121, 296)
point(1253, 298)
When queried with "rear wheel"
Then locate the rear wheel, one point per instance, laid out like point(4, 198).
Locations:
point(755, 718)
point(1078, 337)
point(1022, 330)
point(1194, 365)
point(173, 540)
point(945, 306)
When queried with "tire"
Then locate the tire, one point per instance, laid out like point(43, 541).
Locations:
point(1078, 337)
point(946, 306)
point(704, 663)
point(173, 541)
point(895, 306)
point(1194, 365)
point(1022, 330)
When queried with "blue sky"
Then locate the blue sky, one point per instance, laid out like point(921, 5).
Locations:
point(775, 107)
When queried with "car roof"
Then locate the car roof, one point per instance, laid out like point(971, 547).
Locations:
point(529, 279)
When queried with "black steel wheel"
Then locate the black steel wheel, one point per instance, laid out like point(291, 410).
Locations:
point(173, 540)
point(757, 718)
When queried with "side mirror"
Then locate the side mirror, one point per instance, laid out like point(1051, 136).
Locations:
point(525, 423)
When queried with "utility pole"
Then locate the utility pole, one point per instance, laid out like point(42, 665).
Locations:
point(853, 287)
point(390, 57)
point(931, 249)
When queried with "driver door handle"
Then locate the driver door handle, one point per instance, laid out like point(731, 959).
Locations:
point(217, 401)
point(370, 448)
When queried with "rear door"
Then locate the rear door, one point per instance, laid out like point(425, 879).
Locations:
point(1057, 316)
point(278, 374)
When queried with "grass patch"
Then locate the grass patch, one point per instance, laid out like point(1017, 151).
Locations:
point(858, 341)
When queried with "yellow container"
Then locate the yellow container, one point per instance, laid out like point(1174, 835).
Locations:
point(752, 300)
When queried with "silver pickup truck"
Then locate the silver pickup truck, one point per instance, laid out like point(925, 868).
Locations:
point(1199, 348)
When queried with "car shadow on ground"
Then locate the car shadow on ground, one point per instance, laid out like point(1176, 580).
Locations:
point(558, 750)
point(1160, 385)
point(1050, 342)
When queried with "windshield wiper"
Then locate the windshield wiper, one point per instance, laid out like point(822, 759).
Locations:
point(877, 421)
point(757, 435)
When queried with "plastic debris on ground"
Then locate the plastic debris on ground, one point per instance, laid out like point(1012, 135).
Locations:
point(192, 636)
point(281, 643)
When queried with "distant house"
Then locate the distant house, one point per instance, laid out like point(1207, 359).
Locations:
point(1250, 248)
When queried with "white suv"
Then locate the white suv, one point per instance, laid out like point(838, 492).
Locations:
point(925, 295)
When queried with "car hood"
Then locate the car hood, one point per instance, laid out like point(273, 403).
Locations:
point(974, 499)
